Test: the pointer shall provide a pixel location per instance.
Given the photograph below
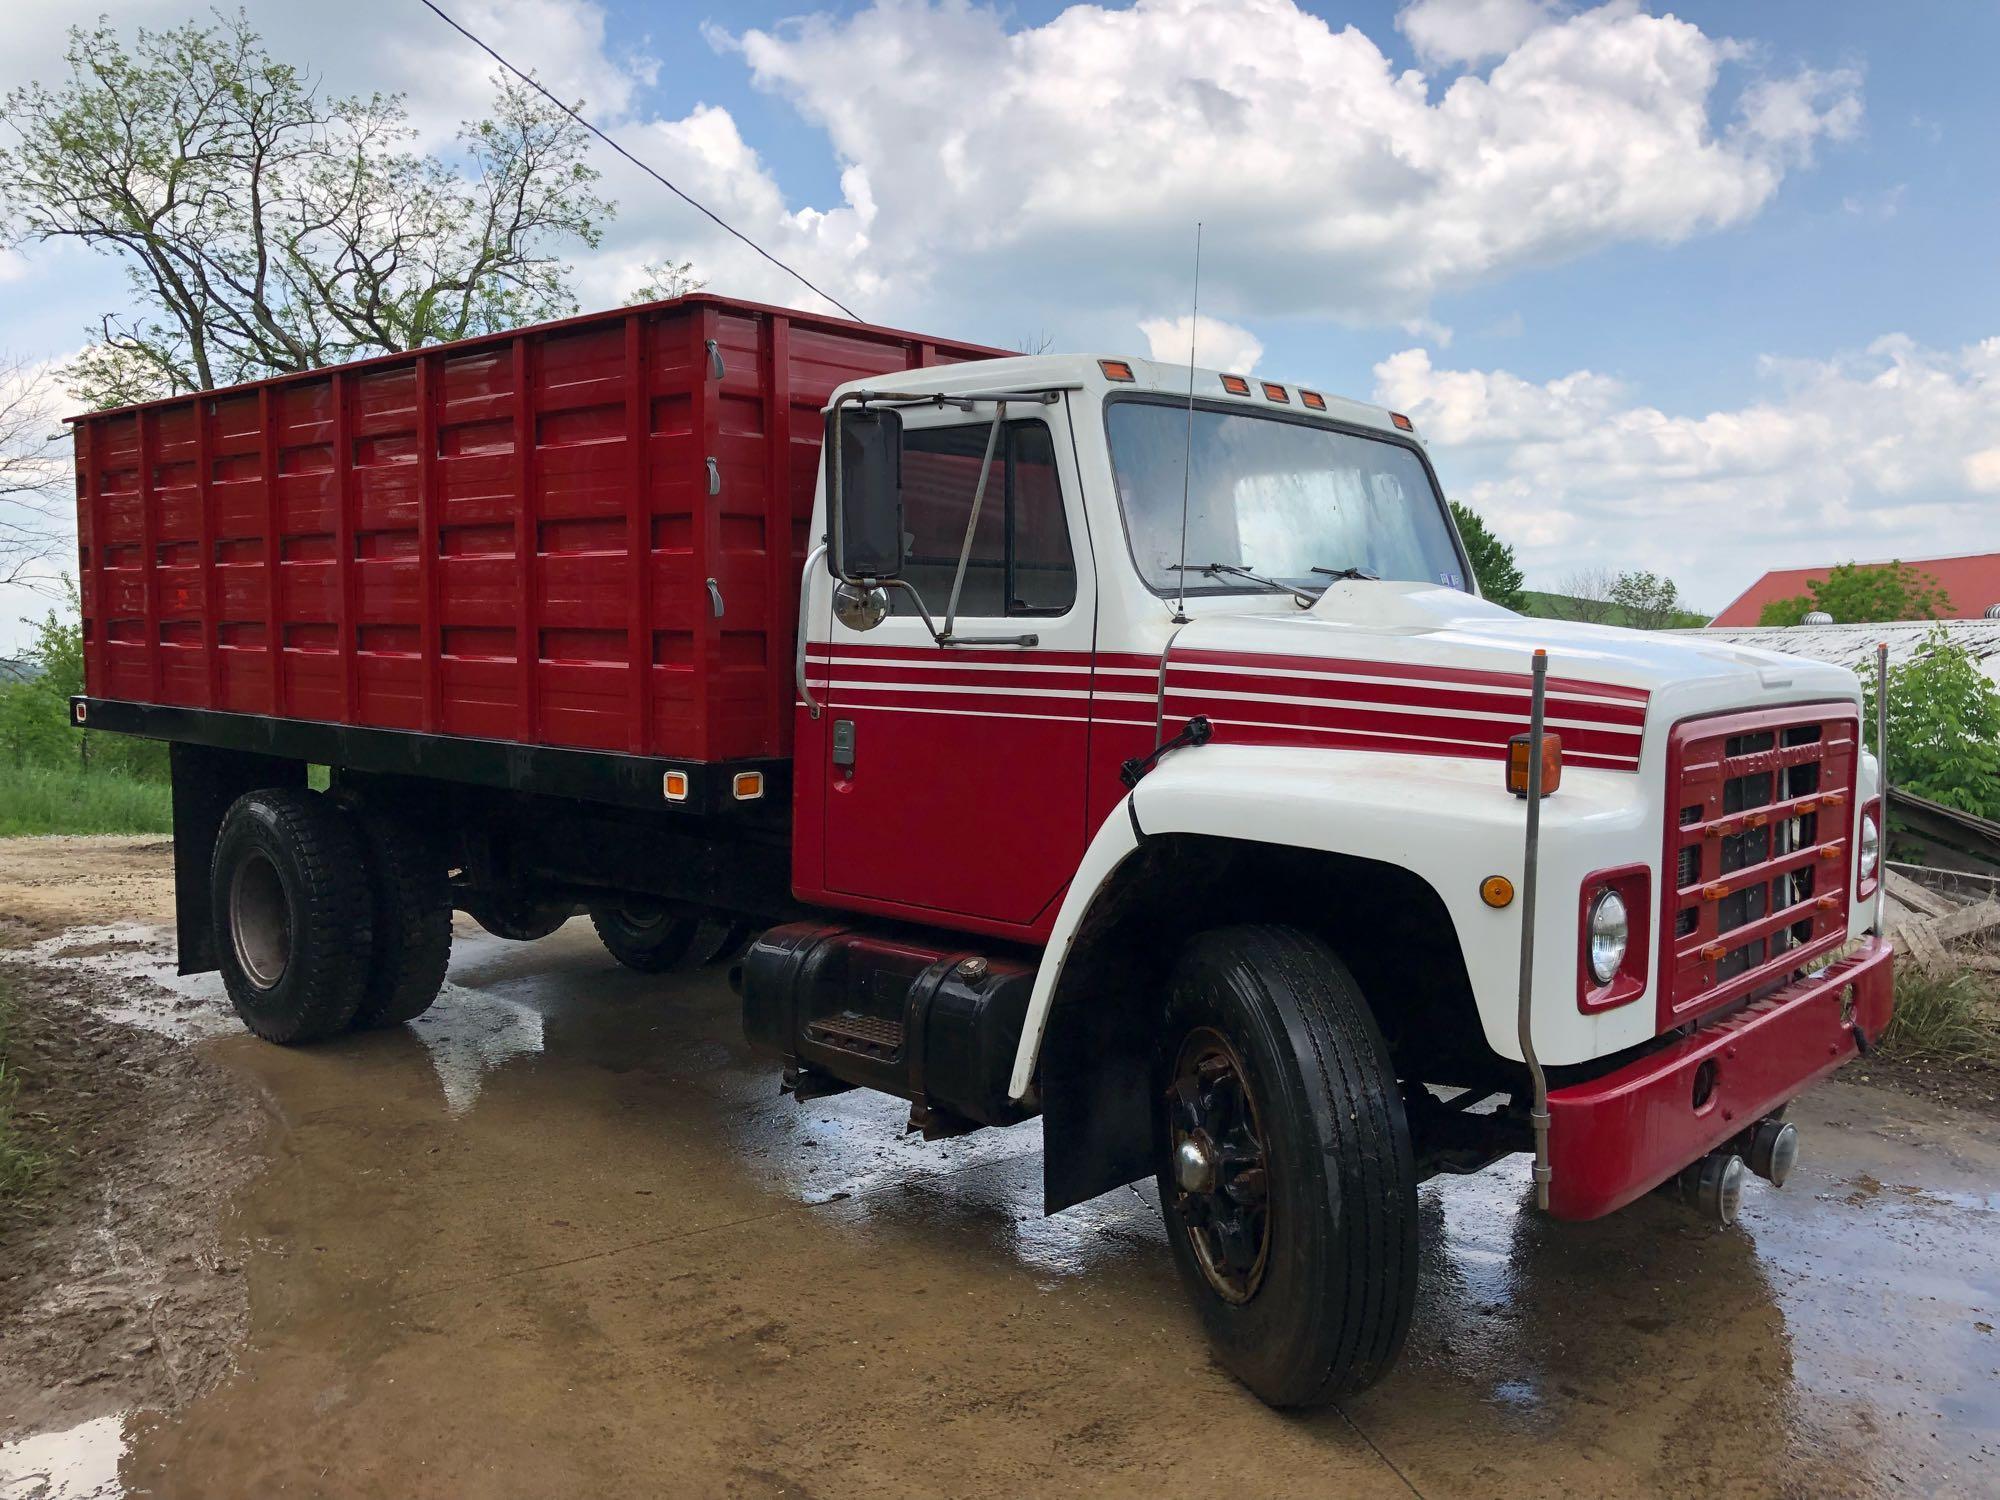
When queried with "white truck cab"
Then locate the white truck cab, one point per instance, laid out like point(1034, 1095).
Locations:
point(1171, 693)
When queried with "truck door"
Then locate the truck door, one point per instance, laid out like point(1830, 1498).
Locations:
point(957, 774)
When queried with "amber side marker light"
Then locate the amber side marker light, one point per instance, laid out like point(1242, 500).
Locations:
point(748, 785)
point(1517, 763)
point(1236, 385)
point(1274, 392)
point(1313, 399)
point(1496, 891)
point(1115, 369)
point(1402, 421)
point(675, 785)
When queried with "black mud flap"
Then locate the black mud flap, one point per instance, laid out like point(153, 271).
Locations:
point(206, 782)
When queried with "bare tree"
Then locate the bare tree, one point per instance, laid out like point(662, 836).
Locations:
point(33, 472)
point(1038, 342)
point(266, 226)
point(1586, 595)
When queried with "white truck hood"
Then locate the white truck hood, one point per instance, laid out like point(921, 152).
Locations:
point(1423, 625)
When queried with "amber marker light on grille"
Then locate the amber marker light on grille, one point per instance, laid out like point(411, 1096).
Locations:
point(1517, 764)
point(1402, 421)
point(675, 784)
point(1115, 369)
point(1313, 399)
point(1236, 385)
point(748, 785)
point(1275, 392)
point(1496, 891)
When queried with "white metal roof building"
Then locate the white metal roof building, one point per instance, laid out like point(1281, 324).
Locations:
point(1849, 645)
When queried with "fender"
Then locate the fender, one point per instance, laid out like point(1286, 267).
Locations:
point(1449, 821)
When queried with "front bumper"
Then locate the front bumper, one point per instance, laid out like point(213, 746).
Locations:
point(1615, 1138)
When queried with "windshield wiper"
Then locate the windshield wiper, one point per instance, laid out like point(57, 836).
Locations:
point(1348, 575)
point(1305, 597)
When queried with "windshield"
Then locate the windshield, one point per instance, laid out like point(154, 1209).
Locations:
point(1275, 497)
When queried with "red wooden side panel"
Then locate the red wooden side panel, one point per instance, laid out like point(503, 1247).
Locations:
point(509, 538)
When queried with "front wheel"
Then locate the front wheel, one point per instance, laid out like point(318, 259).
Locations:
point(1286, 1175)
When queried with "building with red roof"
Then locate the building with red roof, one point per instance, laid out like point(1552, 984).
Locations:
point(1971, 583)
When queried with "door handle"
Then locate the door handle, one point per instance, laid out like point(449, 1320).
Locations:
point(843, 744)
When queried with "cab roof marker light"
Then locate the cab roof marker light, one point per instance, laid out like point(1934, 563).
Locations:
point(1115, 369)
point(1236, 385)
point(1313, 399)
point(1275, 392)
point(1402, 421)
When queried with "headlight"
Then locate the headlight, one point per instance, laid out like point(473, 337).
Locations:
point(1871, 846)
point(1610, 927)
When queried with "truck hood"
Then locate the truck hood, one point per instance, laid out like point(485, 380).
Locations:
point(1422, 625)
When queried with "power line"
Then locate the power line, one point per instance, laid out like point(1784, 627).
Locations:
point(536, 85)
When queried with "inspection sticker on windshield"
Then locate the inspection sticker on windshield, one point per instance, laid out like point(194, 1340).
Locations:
point(1451, 580)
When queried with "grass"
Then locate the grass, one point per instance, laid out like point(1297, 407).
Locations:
point(20, 1164)
point(67, 799)
point(1951, 1019)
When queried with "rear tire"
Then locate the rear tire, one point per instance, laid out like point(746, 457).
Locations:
point(656, 939)
point(411, 920)
point(1286, 1174)
point(289, 892)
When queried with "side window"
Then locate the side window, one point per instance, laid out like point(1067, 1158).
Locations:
point(1021, 563)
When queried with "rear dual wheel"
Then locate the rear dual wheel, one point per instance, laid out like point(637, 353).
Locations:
point(325, 918)
point(1286, 1175)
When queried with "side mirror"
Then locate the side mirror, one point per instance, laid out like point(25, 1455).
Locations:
point(867, 493)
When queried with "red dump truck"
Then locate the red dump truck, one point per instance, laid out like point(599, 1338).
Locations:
point(1086, 738)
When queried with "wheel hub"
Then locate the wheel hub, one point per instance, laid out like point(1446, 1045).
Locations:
point(260, 920)
point(1221, 1170)
point(1195, 1165)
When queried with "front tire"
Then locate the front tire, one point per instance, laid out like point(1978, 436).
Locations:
point(1286, 1174)
point(289, 891)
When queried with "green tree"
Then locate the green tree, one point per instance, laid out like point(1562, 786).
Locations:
point(665, 280)
point(265, 226)
point(1862, 593)
point(1649, 601)
point(1492, 559)
point(1944, 726)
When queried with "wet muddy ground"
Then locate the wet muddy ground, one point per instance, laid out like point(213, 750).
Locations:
point(563, 1237)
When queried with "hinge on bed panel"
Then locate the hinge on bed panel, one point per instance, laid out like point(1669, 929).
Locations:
point(714, 477)
point(714, 599)
point(714, 358)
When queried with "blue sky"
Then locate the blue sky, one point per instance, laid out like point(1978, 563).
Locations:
point(1706, 288)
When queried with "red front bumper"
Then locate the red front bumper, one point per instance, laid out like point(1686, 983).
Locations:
point(1619, 1136)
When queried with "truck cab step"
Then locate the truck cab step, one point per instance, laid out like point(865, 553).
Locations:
point(872, 1036)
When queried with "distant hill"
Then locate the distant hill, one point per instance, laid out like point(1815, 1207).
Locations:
point(1543, 606)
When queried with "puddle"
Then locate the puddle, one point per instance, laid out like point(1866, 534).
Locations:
point(124, 971)
point(78, 1464)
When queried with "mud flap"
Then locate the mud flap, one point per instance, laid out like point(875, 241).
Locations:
point(205, 783)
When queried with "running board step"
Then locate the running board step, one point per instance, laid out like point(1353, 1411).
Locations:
point(871, 1036)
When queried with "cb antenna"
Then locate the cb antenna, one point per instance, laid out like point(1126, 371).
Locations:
point(1187, 450)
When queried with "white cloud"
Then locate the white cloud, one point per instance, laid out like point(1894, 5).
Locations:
point(1466, 32)
point(1330, 182)
point(1218, 346)
point(1882, 453)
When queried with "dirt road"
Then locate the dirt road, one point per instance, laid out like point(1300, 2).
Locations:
point(563, 1237)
